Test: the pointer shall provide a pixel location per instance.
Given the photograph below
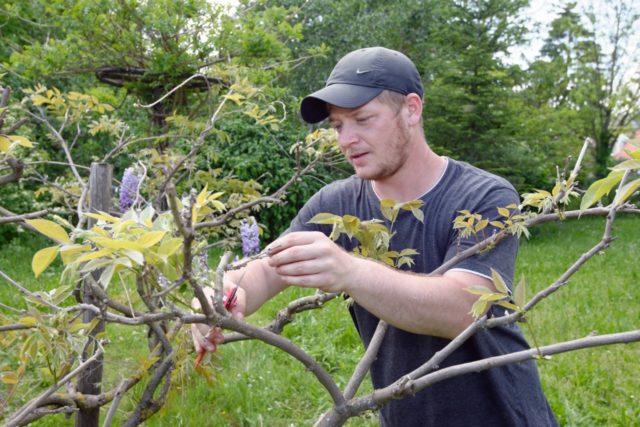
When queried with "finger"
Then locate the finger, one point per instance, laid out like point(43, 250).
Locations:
point(301, 268)
point(292, 239)
point(200, 341)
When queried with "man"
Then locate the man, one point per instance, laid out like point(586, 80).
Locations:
point(373, 99)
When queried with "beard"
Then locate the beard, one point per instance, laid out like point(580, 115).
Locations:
point(390, 158)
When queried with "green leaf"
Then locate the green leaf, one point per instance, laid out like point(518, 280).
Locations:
point(600, 188)
point(627, 164)
point(49, 229)
point(626, 191)
point(499, 283)
point(43, 258)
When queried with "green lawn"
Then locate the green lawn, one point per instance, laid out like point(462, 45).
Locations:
point(255, 385)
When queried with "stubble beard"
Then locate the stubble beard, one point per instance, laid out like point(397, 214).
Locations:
point(397, 156)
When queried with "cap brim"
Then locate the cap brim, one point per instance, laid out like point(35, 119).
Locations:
point(313, 108)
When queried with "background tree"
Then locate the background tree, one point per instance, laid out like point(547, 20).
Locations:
point(585, 76)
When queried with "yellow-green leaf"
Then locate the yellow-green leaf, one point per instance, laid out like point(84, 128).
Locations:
point(102, 217)
point(49, 229)
point(21, 140)
point(499, 283)
point(202, 196)
point(478, 290)
point(9, 377)
point(135, 256)
point(626, 191)
point(68, 251)
point(504, 212)
point(94, 255)
point(324, 218)
point(43, 258)
point(170, 246)
point(5, 144)
point(28, 321)
point(519, 294)
point(600, 188)
point(117, 244)
point(150, 238)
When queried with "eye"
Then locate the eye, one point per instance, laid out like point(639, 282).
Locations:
point(336, 126)
point(363, 120)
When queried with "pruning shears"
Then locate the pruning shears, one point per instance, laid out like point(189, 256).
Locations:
point(230, 301)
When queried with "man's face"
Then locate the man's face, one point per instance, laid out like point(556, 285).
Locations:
point(374, 138)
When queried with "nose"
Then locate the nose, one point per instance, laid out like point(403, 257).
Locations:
point(346, 137)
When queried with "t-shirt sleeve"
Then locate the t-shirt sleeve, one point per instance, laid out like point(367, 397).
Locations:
point(500, 257)
point(310, 209)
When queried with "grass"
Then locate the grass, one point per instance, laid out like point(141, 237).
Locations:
point(255, 385)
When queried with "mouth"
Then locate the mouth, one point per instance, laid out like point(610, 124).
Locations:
point(356, 157)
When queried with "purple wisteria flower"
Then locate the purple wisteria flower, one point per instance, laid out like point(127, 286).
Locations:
point(250, 236)
point(128, 189)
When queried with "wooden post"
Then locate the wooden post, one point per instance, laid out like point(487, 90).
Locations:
point(89, 380)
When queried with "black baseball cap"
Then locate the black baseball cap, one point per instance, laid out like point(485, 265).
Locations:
point(359, 77)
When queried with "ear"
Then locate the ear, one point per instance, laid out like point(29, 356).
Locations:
point(414, 109)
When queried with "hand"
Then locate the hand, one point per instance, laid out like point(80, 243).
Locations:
point(312, 260)
point(205, 338)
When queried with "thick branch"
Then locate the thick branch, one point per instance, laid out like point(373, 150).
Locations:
point(406, 386)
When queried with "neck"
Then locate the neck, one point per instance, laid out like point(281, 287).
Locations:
point(421, 171)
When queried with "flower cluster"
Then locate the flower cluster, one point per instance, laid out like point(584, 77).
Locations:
point(128, 189)
point(250, 237)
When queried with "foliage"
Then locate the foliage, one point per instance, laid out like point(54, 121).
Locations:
point(373, 235)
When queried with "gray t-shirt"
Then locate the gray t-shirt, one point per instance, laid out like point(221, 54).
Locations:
point(505, 396)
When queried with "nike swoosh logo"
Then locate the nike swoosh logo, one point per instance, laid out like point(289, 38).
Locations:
point(359, 71)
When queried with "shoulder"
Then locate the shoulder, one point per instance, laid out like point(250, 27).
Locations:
point(340, 189)
point(478, 183)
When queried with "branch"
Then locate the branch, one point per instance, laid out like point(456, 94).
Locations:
point(17, 166)
point(287, 346)
point(22, 217)
point(367, 360)
point(63, 145)
point(407, 386)
point(286, 315)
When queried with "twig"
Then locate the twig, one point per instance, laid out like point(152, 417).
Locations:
point(22, 217)
point(27, 292)
point(34, 403)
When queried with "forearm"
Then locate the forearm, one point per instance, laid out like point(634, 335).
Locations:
point(259, 282)
point(417, 303)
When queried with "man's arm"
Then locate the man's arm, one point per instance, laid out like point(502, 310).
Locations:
point(417, 303)
point(257, 282)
